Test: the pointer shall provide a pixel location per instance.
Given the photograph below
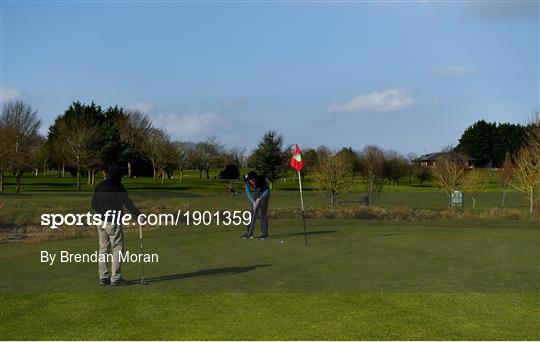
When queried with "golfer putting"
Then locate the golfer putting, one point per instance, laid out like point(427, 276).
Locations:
point(258, 195)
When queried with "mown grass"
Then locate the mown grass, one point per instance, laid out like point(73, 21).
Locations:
point(274, 316)
point(464, 279)
point(192, 181)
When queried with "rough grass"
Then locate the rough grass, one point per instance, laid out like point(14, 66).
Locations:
point(399, 214)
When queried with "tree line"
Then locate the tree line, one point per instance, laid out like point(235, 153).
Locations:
point(86, 138)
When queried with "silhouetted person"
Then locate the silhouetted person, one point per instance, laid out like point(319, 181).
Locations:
point(111, 195)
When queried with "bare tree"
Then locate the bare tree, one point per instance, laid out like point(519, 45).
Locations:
point(20, 126)
point(351, 158)
point(423, 173)
point(333, 176)
point(527, 176)
point(217, 151)
point(527, 171)
point(323, 151)
point(183, 152)
point(237, 156)
point(394, 166)
point(134, 128)
point(448, 171)
point(535, 127)
point(3, 153)
point(410, 166)
point(371, 166)
point(534, 136)
point(506, 174)
point(311, 158)
point(170, 160)
point(39, 157)
point(474, 183)
point(154, 151)
point(207, 155)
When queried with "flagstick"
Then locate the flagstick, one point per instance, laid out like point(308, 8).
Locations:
point(302, 202)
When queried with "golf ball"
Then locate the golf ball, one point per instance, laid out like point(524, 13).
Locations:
point(281, 241)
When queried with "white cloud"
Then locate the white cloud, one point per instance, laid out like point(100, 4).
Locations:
point(9, 94)
point(452, 70)
point(143, 107)
point(389, 100)
point(188, 125)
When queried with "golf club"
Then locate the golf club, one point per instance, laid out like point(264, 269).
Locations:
point(143, 282)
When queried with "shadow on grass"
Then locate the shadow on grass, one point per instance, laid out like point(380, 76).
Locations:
point(170, 193)
point(392, 234)
point(203, 273)
point(158, 187)
point(317, 232)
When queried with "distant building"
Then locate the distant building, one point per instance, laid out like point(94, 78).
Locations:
point(430, 159)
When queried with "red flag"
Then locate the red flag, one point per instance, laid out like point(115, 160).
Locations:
point(297, 161)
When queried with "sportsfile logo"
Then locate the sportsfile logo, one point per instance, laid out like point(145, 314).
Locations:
point(186, 218)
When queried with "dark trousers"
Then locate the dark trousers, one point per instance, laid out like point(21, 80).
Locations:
point(261, 208)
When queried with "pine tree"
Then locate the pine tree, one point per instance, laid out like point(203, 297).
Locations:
point(489, 143)
point(269, 157)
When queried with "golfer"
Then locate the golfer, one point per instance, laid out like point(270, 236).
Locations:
point(258, 194)
point(111, 195)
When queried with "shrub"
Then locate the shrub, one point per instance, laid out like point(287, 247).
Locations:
point(230, 171)
point(396, 214)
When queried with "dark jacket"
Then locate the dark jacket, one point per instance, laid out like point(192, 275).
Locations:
point(111, 195)
point(260, 190)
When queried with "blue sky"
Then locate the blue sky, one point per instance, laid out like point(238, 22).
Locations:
point(407, 76)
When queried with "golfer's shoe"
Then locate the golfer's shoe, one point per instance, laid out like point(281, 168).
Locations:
point(263, 237)
point(105, 281)
point(119, 282)
point(247, 237)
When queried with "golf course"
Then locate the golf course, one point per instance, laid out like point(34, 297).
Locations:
point(277, 170)
point(470, 277)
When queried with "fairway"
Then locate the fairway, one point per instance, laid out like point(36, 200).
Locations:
point(357, 279)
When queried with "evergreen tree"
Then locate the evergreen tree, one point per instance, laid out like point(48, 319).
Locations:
point(489, 143)
point(113, 149)
point(269, 157)
point(509, 139)
point(477, 142)
point(87, 138)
